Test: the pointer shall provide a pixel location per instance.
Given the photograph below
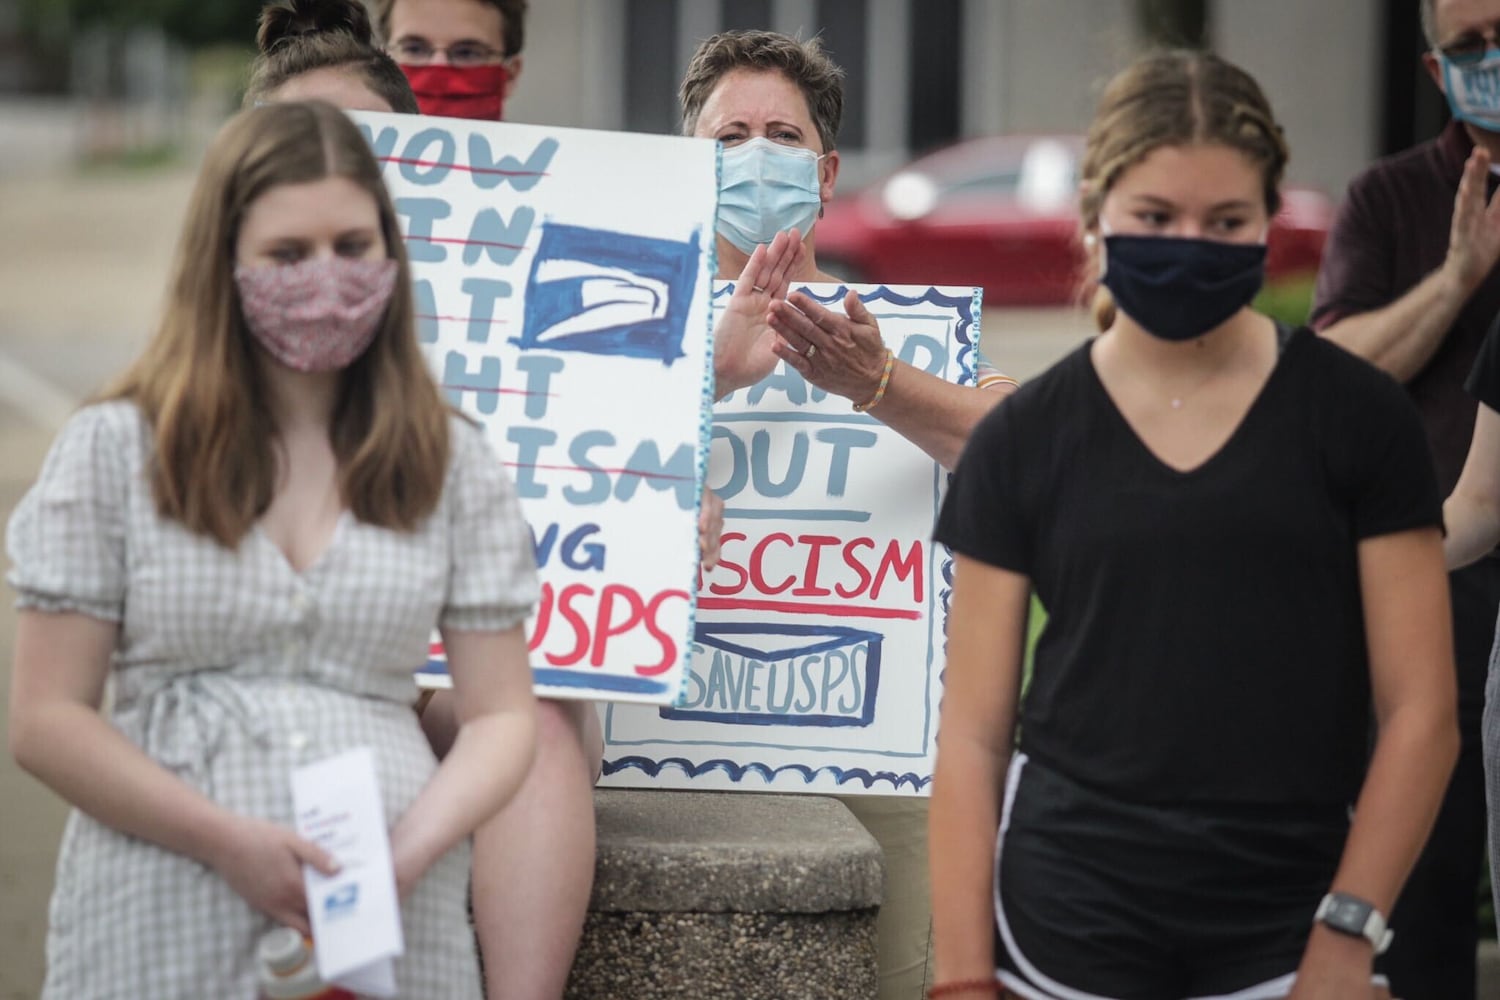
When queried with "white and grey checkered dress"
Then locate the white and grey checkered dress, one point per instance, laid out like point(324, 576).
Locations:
point(232, 668)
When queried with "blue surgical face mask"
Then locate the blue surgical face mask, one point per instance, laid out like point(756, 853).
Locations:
point(766, 188)
point(1474, 90)
point(1178, 288)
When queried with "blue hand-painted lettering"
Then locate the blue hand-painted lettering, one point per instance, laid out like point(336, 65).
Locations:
point(529, 442)
point(678, 473)
point(489, 173)
point(483, 294)
point(578, 454)
point(428, 156)
point(501, 240)
point(424, 303)
point(844, 440)
point(539, 369)
point(576, 550)
point(420, 213)
point(936, 360)
point(459, 378)
point(760, 464)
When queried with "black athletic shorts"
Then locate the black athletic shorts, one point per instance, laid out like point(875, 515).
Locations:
point(1098, 898)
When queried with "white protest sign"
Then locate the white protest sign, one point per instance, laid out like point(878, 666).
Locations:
point(818, 654)
point(562, 282)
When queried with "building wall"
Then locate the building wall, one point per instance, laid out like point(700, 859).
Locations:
point(1319, 64)
point(1038, 65)
point(1026, 66)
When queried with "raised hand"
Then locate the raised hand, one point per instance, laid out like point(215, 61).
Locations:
point(843, 354)
point(743, 342)
point(1474, 236)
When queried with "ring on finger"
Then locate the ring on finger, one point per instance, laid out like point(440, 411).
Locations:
point(811, 350)
point(757, 288)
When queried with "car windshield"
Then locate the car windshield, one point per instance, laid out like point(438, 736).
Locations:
point(1040, 173)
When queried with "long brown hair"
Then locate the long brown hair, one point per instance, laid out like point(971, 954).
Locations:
point(198, 383)
point(1174, 99)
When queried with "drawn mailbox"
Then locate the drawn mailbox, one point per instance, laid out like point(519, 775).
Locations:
point(551, 306)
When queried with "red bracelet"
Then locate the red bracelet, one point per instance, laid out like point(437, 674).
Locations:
point(956, 986)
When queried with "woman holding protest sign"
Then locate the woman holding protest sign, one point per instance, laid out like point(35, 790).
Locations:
point(1235, 529)
point(251, 537)
point(775, 103)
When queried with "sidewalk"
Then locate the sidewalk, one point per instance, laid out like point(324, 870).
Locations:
point(81, 276)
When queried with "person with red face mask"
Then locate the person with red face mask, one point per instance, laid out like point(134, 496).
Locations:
point(463, 57)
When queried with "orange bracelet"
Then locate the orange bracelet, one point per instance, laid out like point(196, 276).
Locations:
point(885, 380)
point(989, 986)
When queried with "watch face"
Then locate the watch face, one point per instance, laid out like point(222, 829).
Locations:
point(1347, 914)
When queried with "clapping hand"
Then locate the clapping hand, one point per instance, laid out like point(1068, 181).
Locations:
point(1474, 236)
point(842, 354)
point(743, 342)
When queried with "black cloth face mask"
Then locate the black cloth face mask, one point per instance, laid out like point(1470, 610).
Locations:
point(1177, 288)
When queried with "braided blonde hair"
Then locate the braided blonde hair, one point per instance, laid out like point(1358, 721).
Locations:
point(1177, 98)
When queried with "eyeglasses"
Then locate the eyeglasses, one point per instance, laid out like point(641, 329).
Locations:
point(420, 52)
point(1470, 47)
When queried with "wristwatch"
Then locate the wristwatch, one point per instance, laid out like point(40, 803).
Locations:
point(1352, 915)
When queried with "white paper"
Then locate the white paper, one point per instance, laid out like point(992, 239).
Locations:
point(356, 917)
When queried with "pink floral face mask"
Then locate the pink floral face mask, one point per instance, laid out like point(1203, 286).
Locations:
point(316, 315)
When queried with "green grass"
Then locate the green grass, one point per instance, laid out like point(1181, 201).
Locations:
point(1288, 300)
point(144, 158)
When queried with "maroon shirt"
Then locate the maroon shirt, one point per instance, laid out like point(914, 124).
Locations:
point(1390, 233)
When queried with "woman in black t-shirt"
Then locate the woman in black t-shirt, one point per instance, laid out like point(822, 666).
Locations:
point(1235, 530)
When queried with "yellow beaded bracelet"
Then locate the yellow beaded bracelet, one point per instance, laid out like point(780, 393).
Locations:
point(885, 380)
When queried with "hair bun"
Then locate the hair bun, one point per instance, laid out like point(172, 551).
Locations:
point(281, 20)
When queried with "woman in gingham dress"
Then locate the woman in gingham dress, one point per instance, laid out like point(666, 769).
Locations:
point(252, 537)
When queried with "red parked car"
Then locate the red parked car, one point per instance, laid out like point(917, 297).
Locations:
point(1001, 212)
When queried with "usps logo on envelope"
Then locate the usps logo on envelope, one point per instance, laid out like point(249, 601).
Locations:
point(601, 292)
point(341, 902)
point(762, 674)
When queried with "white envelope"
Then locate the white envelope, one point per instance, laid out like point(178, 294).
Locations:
point(356, 916)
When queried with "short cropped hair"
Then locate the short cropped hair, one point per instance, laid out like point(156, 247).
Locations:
point(820, 79)
point(512, 21)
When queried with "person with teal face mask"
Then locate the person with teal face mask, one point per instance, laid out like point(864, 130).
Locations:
point(1409, 282)
point(764, 189)
point(774, 105)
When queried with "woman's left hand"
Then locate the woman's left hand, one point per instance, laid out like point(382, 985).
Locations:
point(710, 528)
point(843, 354)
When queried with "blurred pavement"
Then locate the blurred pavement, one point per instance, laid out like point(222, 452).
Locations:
point(81, 274)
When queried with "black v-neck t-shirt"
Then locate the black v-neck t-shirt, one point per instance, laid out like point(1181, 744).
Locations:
point(1205, 639)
